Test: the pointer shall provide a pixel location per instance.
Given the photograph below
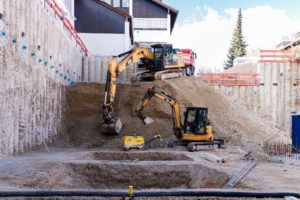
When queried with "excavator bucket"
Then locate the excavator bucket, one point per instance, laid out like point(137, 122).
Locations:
point(112, 128)
point(145, 119)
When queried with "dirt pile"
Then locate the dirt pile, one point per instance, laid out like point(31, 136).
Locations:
point(231, 121)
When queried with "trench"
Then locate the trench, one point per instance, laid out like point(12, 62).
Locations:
point(135, 156)
point(142, 170)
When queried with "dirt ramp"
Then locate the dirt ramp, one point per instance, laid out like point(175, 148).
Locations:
point(83, 115)
point(230, 120)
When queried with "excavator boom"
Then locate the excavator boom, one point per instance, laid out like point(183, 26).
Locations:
point(153, 92)
point(110, 124)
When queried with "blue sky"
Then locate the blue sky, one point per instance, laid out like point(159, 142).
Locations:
point(206, 26)
point(188, 7)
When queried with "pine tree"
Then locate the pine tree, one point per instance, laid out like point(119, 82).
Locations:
point(238, 44)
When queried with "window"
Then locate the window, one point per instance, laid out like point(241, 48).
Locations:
point(117, 3)
point(125, 3)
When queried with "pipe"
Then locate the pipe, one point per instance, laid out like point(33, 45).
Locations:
point(53, 193)
point(217, 194)
point(183, 193)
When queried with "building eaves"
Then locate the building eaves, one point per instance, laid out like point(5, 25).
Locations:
point(113, 8)
point(173, 12)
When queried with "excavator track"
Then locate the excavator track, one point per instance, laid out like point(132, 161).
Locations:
point(145, 76)
point(168, 74)
point(197, 146)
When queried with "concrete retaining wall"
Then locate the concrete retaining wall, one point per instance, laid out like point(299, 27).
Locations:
point(278, 95)
point(37, 61)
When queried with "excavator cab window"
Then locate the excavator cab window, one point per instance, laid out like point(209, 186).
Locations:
point(168, 57)
point(158, 57)
point(195, 121)
point(163, 55)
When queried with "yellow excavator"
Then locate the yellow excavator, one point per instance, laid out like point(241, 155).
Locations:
point(160, 62)
point(195, 131)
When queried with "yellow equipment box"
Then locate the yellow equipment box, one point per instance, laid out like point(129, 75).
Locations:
point(130, 142)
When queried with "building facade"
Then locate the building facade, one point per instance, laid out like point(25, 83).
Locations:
point(110, 27)
point(153, 21)
point(104, 29)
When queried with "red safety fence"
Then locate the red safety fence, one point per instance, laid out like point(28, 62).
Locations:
point(279, 56)
point(229, 79)
point(67, 24)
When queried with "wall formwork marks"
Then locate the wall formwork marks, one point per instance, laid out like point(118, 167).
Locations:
point(278, 95)
point(31, 94)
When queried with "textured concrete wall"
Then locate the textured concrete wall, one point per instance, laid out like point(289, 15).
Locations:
point(94, 69)
point(278, 95)
point(37, 62)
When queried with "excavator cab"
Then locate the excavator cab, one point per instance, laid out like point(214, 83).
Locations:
point(195, 120)
point(163, 55)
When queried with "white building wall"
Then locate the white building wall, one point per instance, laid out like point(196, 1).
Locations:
point(152, 35)
point(130, 8)
point(107, 44)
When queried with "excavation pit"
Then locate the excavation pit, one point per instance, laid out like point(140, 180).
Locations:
point(118, 170)
point(135, 156)
point(145, 175)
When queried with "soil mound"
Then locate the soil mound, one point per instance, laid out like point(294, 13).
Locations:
point(231, 121)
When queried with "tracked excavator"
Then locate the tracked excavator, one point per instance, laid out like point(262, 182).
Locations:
point(167, 63)
point(195, 132)
point(159, 62)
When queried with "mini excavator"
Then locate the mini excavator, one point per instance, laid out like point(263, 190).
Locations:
point(194, 133)
point(159, 62)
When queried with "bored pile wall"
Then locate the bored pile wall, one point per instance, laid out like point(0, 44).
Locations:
point(278, 95)
point(32, 92)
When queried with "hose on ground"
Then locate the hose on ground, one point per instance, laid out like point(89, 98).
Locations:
point(183, 193)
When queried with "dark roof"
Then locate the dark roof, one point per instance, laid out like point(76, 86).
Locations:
point(119, 11)
point(172, 11)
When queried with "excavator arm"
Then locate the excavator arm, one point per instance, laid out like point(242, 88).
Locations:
point(110, 124)
point(153, 92)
